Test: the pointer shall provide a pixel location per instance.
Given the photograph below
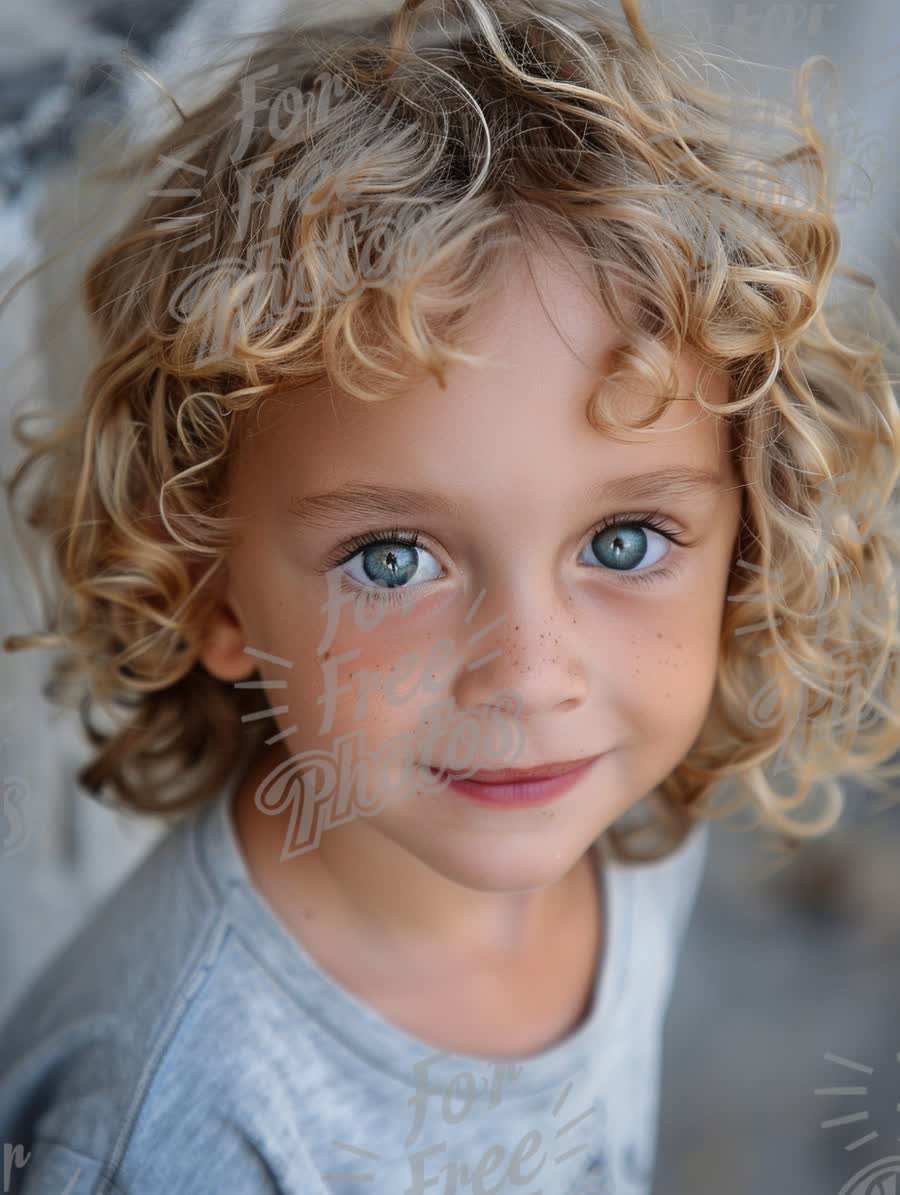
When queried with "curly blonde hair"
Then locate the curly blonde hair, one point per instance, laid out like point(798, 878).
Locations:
point(496, 123)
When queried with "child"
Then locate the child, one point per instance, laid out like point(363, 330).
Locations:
point(432, 504)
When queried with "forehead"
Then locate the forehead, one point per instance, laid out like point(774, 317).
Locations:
point(547, 344)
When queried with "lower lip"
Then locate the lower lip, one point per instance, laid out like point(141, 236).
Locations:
point(522, 793)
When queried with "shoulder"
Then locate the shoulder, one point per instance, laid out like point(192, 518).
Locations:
point(674, 880)
point(685, 864)
point(157, 1050)
point(84, 1040)
point(667, 887)
point(649, 911)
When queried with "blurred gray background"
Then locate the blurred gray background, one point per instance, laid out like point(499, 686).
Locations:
point(789, 984)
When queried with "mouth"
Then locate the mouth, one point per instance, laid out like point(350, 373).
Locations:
point(548, 771)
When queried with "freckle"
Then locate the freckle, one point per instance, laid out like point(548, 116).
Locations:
point(659, 634)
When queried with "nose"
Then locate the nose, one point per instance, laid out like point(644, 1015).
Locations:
point(523, 639)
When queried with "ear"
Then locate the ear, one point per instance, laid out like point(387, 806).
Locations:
point(224, 638)
point(222, 633)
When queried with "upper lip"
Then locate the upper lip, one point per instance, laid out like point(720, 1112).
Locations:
point(510, 775)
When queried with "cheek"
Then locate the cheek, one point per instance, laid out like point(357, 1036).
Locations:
point(674, 666)
point(669, 679)
point(290, 616)
point(371, 674)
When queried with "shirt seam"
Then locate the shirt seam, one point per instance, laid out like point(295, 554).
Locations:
point(206, 954)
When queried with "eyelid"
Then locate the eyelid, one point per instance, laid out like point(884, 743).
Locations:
point(404, 535)
point(658, 571)
point(655, 519)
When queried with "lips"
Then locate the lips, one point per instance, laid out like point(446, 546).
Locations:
point(519, 775)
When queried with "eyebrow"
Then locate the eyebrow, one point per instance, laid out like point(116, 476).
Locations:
point(358, 501)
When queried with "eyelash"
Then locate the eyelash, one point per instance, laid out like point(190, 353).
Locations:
point(400, 535)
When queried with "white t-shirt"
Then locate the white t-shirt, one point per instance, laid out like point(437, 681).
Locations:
point(185, 1042)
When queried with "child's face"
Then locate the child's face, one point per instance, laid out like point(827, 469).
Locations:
point(600, 662)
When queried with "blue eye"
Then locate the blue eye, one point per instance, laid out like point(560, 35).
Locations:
point(389, 560)
point(624, 543)
point(391, 564)
point(384, 565)
point(624, 546)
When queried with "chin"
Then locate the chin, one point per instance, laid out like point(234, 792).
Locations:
point(493, 866)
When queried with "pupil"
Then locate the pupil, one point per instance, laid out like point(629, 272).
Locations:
point(390, 566)
point(628, 546)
